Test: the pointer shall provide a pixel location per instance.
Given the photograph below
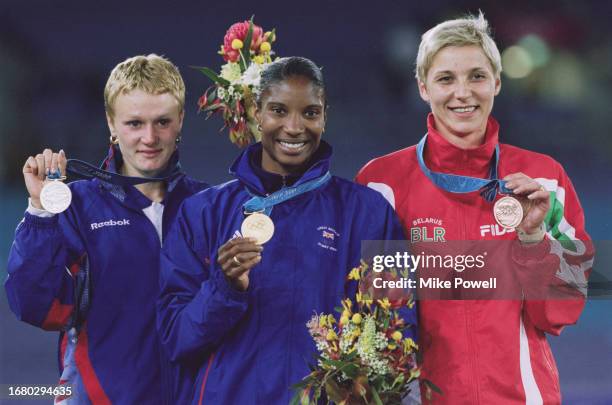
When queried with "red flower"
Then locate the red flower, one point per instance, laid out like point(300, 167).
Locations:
point(239, 31)
point(202, 102)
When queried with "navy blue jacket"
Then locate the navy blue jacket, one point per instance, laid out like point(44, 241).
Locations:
point(253, 345)
point(118, 354)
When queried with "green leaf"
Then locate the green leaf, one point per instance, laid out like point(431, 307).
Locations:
point(212, 107)
point(376, 398)
point(295, 400)
point(351, 356)
point(432, 386)
point(334, 392)
point(246, 55)
point(338, 309)
point(399, 381)
point(212, 75)
point(351, 370)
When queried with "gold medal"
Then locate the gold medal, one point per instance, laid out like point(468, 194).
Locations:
point(508, 212)
point(258, 226)
point(55, 196)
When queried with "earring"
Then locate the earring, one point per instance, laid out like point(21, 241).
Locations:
point(259, 128)
point(113, 139)
point(178, 139)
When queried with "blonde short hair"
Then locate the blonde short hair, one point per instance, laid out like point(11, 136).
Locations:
point(466, 31)
point(152, 73)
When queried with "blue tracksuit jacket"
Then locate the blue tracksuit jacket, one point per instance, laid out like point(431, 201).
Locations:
point(252, 346)
point(117, 357)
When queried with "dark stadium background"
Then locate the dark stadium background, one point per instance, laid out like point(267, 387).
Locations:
point(55, 58)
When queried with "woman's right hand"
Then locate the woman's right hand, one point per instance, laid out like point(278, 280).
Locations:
point(36, 169)
point(237, 257)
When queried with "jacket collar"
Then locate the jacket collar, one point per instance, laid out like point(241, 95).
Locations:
point(129, 194)
point(247, 169)
point(442, 156)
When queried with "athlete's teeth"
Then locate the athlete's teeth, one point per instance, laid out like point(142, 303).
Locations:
point(464, 109)
point(292, 145)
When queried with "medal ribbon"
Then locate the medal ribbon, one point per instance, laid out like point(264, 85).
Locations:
point(88, 171)
point(55, 175)
point(265, 204)
point(465, 184)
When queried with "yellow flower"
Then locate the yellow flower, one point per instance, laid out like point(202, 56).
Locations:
point(344, 320)
point(397, 336)
point(347, 304)
point(331, 335)
point(323, 321)
point(355, 274)
point(265, 47)
point(391, 346)
point(357, 319)
point(359, 298)
point(237, 44)
point(331, 320)
point(270, 36)
point(357, 332)
point(384, 304)
point(258, 59)
point(409, 345)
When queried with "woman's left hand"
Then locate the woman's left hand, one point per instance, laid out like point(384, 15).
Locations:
point(538, 200)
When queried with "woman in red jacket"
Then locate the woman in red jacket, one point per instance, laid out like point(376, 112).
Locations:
point(444, 189)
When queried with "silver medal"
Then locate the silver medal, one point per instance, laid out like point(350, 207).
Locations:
point(55, 196)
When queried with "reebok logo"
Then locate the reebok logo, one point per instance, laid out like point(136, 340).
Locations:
point(112, 222)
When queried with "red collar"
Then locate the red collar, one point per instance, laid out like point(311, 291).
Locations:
point(444, 157)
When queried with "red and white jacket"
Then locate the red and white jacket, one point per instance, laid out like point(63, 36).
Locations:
point(488, 352)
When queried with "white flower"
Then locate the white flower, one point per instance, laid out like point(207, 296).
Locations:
point(252, 76)
point(230, 72)
point(221, 93)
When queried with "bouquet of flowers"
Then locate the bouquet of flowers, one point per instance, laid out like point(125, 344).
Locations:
point(246, 49)
point(363, 356)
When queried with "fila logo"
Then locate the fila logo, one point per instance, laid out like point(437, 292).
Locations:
point(112, 222)
point(494, 230)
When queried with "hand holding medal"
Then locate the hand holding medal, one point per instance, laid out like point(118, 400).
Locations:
point(528, 206)
point(237, 257)
point(43, 177)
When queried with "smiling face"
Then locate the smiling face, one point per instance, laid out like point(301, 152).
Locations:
point(460, 87)
point(146, 126)
point(292, 118)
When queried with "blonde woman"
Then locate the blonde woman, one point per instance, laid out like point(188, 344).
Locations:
point(91, 272)
point(444, 189)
